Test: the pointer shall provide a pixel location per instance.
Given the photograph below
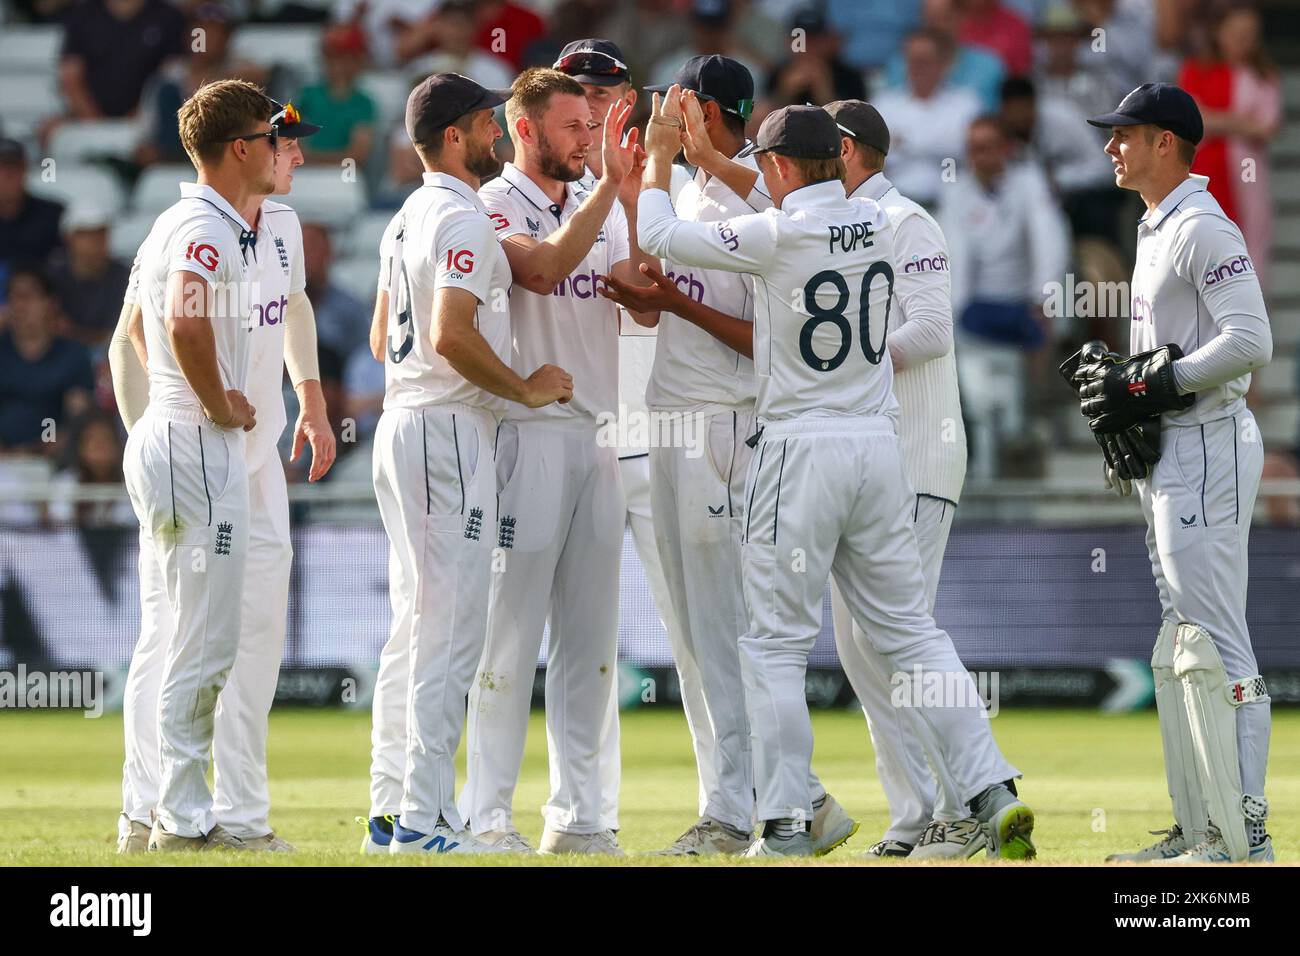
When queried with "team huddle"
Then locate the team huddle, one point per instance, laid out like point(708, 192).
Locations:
point(789, 335)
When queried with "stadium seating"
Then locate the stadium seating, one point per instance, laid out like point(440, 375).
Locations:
point(321, 195)
point(157, 188)
point(129, 230)
point(82, 140)
point(358, 275)
point(29, 50)
point(72, 184)
point(27, 99)
point(294, 46)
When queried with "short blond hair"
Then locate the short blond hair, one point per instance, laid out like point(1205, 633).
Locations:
point(218, 112)
point(532, 90)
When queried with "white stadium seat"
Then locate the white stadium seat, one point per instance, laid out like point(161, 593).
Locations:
point(294, 46)
point(320, 195)
point(361, 238)
point(389, 90)
point(30, 50)
point(358, 275)
point(127, 232)
point(26, 100)
point(159, 186)
point(73, 184)
point(76, 141)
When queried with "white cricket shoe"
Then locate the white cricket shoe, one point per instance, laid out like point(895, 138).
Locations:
point(958, 840)
point(162, 840)
point(508, 840)
point(1214, 849)
point(1173, 844)
point(831, 826)
point(709, 837)
point(219, 838)
point(134, 837)
point(379, 834)
point(270, 843)
point(801, 844)
point(1010, 831)
point(887, 850)
point(443, 839)
point(604, 843)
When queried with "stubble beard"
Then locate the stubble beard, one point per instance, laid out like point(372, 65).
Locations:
point(552, 166)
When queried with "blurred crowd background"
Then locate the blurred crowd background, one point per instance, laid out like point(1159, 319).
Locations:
point(986, 102)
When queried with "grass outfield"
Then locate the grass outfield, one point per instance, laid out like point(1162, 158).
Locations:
point(1095, 783)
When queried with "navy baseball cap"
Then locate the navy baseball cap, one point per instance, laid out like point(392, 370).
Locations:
point(804, 132)
point(289, 122)
point(1160, 104)
point(444, 98)
point(719, 78)
point(594, 61)
point(862, 122)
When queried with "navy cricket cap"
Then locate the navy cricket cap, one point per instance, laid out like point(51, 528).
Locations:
point(803, 132)
point(289, 122)
point(442, 99)
point(862, 122)
point(719, 78)
point(594, 61)
point(1160, 104)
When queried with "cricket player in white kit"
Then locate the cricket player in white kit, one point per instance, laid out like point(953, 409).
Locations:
point(703, 387)
point(185, 464)
point(1198, 329)
point(282, 333)
point(826, 491)
point(443, 318)
point(560, 501)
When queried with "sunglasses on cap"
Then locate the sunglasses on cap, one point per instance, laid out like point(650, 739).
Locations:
point(288, 116)
point(591, 63)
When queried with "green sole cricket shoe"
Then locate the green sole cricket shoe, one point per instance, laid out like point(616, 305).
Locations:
point(831, 827)
point(1012, 828)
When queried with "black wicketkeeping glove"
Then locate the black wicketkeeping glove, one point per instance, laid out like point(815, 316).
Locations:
point(1117, 394)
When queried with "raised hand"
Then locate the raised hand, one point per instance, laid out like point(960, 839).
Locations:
point(695, 137)
point(618, 158)
point(663, 134)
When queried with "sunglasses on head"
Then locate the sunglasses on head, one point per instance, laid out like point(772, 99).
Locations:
point(591, 63)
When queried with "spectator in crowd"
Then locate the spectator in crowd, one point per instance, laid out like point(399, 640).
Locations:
point(988, 23)
point(345, 113)
point(567, 19)
point(973, 67)
point(1125, 54)
point(1064, 42)
point(29, 225)
point(648, 31)
point(363, 386)
point(873, 29)
point(176, 82)
point(711, 31)
point(44, 378)
point(815, 74)
point(1054, 134)
point(382, 23)
point(927, 120)
point(452, 28)
point(342, 320)
point(507, 30)
point(89, 282)
point(91, 456)
point(111, 48)
point(1240, 96)
point(1007, 240)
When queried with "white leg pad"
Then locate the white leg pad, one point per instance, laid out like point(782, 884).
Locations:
point(1190, 812)
point(1212, 701)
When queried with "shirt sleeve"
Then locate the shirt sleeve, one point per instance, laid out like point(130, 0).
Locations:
point(507, 218)
point(743, 244)
point(204, 247)
point(1210, 253)
point(297, 266)
point(463, 254)
point(923, 289)
point(616, 235)
point(132, 295)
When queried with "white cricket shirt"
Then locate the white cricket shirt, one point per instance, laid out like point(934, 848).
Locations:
point(823, 276)
point(693, 371)
point(573, 326)
point(440, 238)
point(1195, 285)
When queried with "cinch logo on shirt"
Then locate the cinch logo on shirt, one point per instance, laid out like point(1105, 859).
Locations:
point(686, 281)
point(1140, 309)
point(579, 285)
point(270, 314)
point(935, 263)
point(204, 254)
point(728, 236)
point(1233, 267)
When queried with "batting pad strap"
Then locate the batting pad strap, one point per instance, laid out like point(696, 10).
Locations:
point(1247, 690)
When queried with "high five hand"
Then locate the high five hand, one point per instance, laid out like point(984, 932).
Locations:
point(618, 158)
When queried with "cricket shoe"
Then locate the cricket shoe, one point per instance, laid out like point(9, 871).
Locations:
point(270, 843)
point(379, 833)
point(219, 838)
point(831, 826)
point(709, 837)
point(163, 841)
point(508, 840)
point(770, 844)
point(603, 843)
point(1214, 849)
point(1011, 829)
point(895, 849)
point(443, 839)
point(956, 840)
point(1174, 844)
point(134, 838)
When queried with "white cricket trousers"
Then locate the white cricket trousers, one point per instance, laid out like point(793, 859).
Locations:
point(561, 541)
point(241, 795)
point(436, 487)
point(189, 488)
point(1198, 505)
point(897, 733)
point(828, 496)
